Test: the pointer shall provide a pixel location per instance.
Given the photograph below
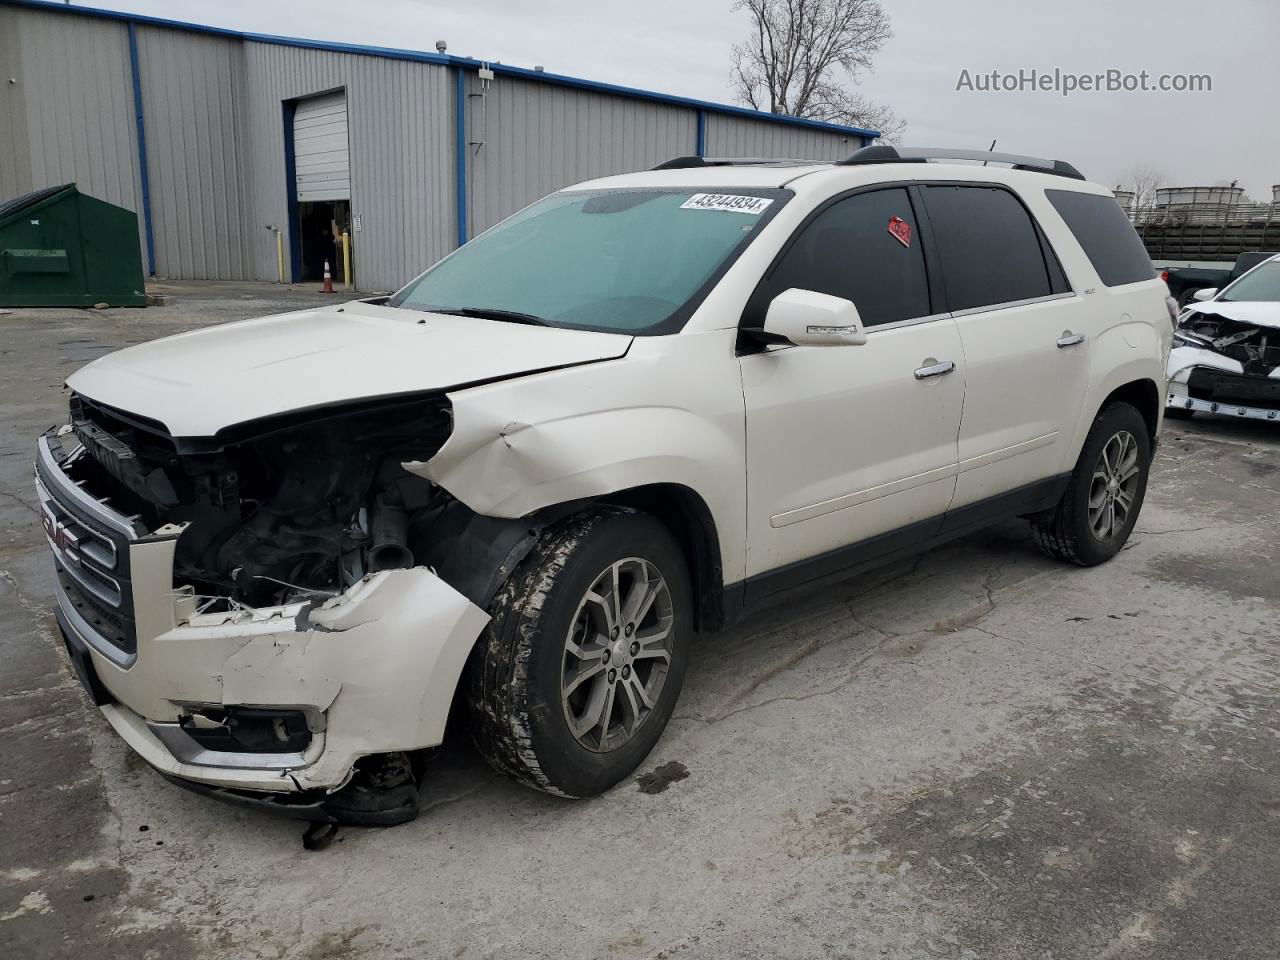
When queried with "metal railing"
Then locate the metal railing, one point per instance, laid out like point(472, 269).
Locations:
point(1205, 213)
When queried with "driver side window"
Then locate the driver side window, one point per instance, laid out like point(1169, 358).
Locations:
point(865, 248)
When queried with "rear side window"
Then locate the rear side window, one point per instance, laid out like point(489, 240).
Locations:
point(989, 246)
point(1105, 234)
point(848, 250)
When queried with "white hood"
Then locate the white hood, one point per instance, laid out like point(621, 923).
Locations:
point(1262, 313)
point(200, 382)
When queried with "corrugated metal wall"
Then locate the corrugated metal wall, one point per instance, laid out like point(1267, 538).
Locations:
point(527, 139)
point(733, 136)
point(215, 124)
point(400, 120)
point(76, 93)
point(15, 158)
point(193, 101)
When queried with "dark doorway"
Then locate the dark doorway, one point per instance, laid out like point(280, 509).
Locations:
point(320, 227)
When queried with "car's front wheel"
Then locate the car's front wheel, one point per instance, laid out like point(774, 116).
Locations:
point(580, 667)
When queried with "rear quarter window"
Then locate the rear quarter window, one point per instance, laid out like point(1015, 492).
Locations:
point(1106, 236)
point(989, 245)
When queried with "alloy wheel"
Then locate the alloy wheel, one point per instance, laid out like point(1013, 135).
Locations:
point(617, 654)
point(1114, 486)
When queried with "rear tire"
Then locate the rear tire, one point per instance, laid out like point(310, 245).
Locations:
point(1096, 514)
point(580, 667)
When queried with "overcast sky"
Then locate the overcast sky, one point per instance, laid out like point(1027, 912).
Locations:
point(683, 47)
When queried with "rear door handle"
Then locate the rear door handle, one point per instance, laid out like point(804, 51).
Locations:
point(1069, 339)
point(934, 368)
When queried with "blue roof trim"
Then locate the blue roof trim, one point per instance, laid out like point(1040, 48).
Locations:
point(466, 63)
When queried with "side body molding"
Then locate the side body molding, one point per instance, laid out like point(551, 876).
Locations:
point(668, 413)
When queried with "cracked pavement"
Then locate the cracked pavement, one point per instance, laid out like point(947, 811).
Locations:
point(976, 754)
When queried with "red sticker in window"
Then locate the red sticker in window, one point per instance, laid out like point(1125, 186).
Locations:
point(901, 230)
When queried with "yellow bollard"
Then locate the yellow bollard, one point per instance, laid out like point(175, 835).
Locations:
point(346, 261)
point(280, 254)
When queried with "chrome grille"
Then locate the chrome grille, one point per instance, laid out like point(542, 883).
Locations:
point(90, 544)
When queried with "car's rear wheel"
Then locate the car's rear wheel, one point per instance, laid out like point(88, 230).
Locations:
point(1096, 514)
point(580, 667)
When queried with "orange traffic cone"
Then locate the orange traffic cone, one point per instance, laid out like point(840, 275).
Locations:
point(328, 279)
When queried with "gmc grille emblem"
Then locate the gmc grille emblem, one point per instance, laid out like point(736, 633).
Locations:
point(64, 541)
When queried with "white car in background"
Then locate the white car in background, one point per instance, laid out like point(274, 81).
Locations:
point(637, 409)
point(1226, 349)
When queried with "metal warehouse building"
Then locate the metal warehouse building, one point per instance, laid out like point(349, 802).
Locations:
point(218, 139)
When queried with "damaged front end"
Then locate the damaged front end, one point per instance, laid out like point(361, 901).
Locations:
point(278, 614)
point(299, 508)
point(1225, 365)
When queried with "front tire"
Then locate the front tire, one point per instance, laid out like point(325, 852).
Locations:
point(1096, 514)
point(580, 667)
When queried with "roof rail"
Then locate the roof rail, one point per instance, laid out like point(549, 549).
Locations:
point(887, 154)
point(684, 163)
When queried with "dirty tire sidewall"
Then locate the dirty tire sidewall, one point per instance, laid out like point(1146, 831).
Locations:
point(517, 719)
point(1068, 535)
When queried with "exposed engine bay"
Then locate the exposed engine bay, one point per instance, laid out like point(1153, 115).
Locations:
point(295, 507)
point(1256, 348)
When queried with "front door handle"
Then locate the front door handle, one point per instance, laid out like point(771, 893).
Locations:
point(1069, 339)
point(934, 368)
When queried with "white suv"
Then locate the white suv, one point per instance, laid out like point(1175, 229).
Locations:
point(633, 411)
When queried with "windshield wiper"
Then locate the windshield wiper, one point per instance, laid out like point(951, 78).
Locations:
point(493, 313)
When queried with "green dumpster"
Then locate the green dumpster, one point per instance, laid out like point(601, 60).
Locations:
point(61, 248)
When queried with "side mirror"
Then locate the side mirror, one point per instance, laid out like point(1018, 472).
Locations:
point(806, 318)
point(1206, 293)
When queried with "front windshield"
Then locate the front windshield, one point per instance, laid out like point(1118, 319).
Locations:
point(626, 261)
point(1259, 284)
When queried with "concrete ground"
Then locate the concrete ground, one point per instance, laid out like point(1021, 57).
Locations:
point(981, 754)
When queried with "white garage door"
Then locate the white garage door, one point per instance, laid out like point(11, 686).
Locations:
point(321, 160)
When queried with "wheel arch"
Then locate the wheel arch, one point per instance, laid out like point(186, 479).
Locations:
point(1128, 364)
point(689, 519)
point(1144, 395)
point(479, 553)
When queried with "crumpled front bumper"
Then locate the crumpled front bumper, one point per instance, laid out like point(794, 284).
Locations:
point(374, 670)
point(1207, 382)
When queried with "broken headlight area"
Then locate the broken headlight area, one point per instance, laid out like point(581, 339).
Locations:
point(1255, 348)
point(300, 507)
point(238, 729)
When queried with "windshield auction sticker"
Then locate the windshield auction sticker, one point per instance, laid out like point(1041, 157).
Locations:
point(729, 202)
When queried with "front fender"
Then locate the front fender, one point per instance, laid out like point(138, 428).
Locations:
point(506, 468)
point(670, 412)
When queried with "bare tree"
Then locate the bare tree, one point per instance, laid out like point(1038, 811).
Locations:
point(1144, 179)
point(801, 53)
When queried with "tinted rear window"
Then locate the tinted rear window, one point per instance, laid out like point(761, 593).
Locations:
point(1105, 234)
point(989, 247)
